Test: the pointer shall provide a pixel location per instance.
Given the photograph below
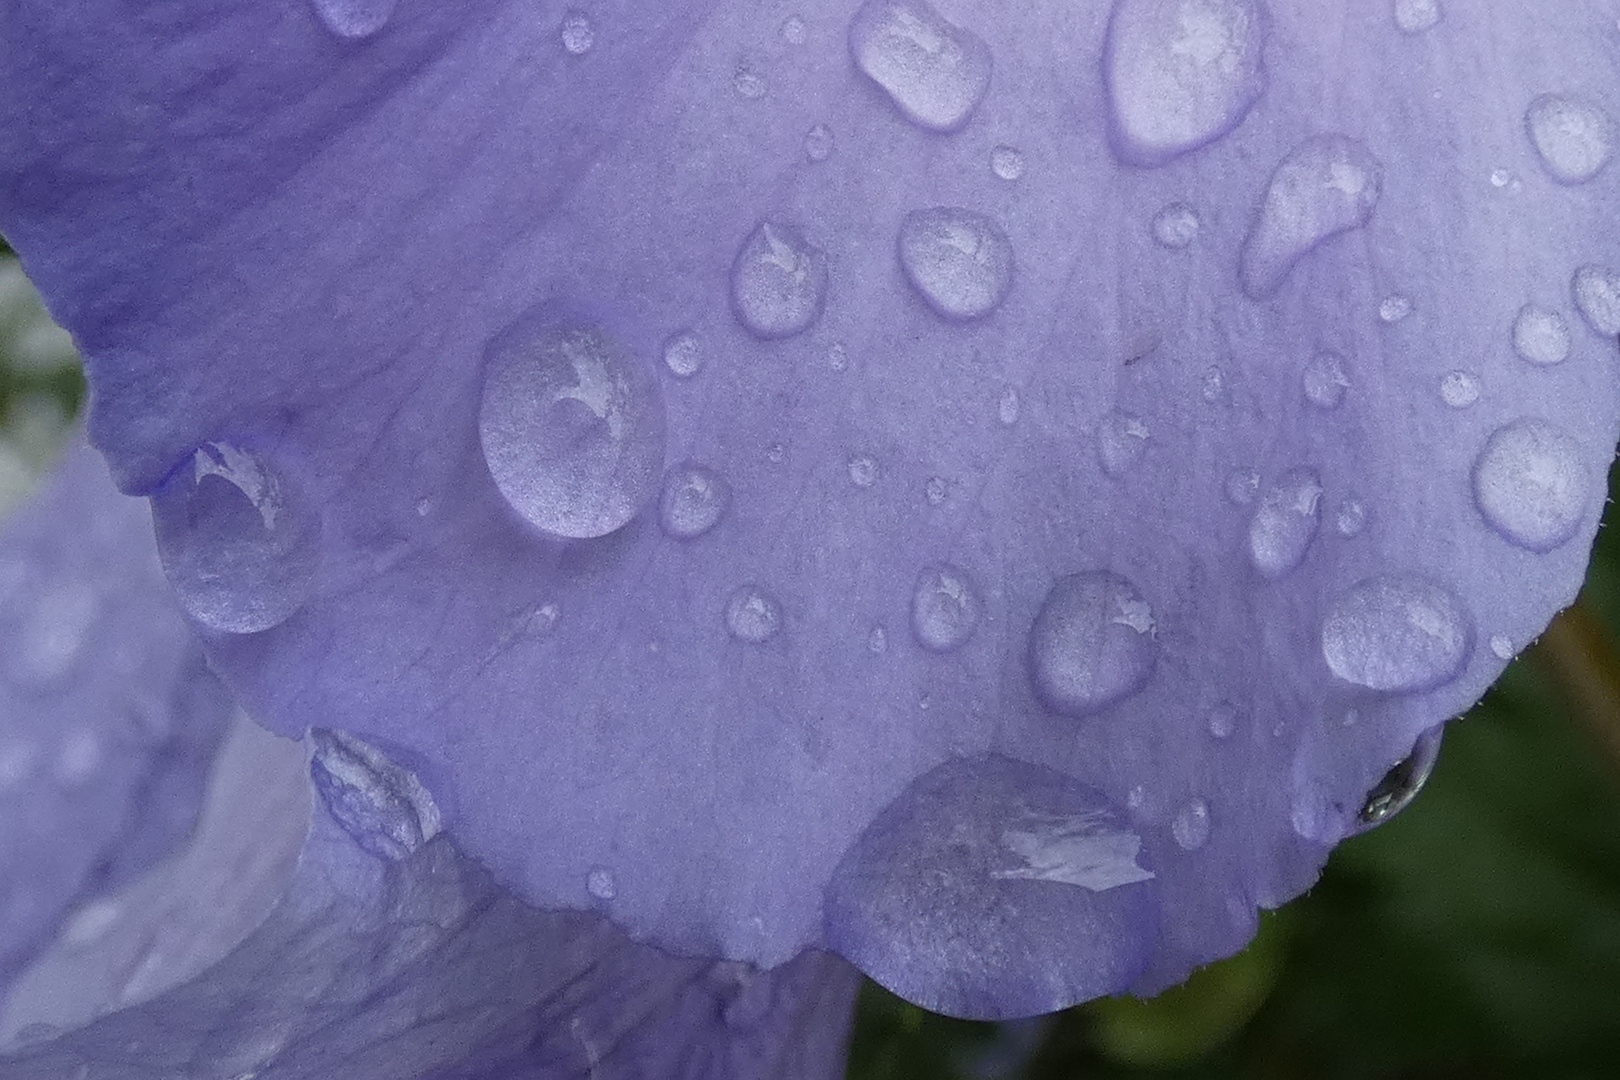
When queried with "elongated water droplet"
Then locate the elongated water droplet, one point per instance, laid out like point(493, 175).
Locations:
point(1092, 643)
point(1502, 646)
point(778, 282)
point(354, 19)
point(382, 806)
point(753, 615)
point(1596, 290)
point(1416, 16)
point(960, 261)
point(571, 426)
point(683, 354)
point(1532, 484)
point(1121, 441)
point(1459, 389)
point(694, 499)
point(1176, 226)
point(1007, 406)
point(1180, 74)
point(1191, 826)
point(1327, 185)
point(1573, 137)
point(945, 608)
point(1402, 783)
point(818, 143)
point(238, 538)
point(1540, 336)
point(936, 73)
point(1007, 162)
point(1397, 632)
point(1222, 719)
point(577, 33)
point(1285, 523)
point(877, 641)
point(1325, 381)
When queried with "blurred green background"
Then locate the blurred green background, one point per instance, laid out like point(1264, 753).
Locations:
point(1475, 935)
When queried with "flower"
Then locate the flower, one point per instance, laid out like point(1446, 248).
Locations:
point(1096, 444)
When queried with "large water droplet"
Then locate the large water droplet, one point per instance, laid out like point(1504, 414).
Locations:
point(1459, 389)
point(1416, 16)
point(993, 888)
point(960, 261)
point(1397, 632)
point(1402, 783)
point(382, 806)
point(935, 73)
point(1285, 523)
point(1328, 184)
point(1121, 441)
point(1176, 226)
point(1092, 643)
point(1180, 74)
point(577, 33)
point(753, 615)
point(1532, 484)
point(944, 608)
point(694, 499)
point(1596, 290)
point(1191, 826)
point(572, 427)
point(238, 539)
point(354, 19)
point(1540, 336)
point(1574, 138)
point(778, 282)
point(1325, 381)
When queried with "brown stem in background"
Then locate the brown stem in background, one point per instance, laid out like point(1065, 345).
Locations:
point(1581, 656)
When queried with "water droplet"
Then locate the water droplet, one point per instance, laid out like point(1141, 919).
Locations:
point(1213, 389)
point(1241, 487)
point(1574, 138)
point(1180, 74)
point(794, 31)
point(1416, 16)
point(749, 82)
point(863, 471)
point(601, 883)
point(753, 615)
point(1176, 226)
point(934, 72)
point(936, 490)
point(945, 608)
point(543, 618)
point(1532, 484)
point(1501, 178)
point(1502, 646)
point(1007, 406)
point(1350, 518)
point(1191, 826)
point(572, 427)
point(1222, 719)
point(877, 642)
point(1325, 381)
point(577, 33)
point(1121, 441)
point(778, 282)
point(238, 540)
point(1394, 308)
point(1459, 389)
point(354, 19)
point(837, 356)
point(683, 354)
point(694, 499)
point(818, 143)
point(1136, 797)
point(776, 453)
point(1092, 643)
point(1402, 783)
point(1007, 162)
point(1596, 290)
point(1285, 523)
point(1398, 633)
point(382, 806)
point(959, 260)
point(1326, 185)
point(1540, 336)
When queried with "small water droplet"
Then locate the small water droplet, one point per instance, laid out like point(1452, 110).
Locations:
point(577, 32)
point(694, 499)
point(424, 506)
point(354, 19)
point(1394, 308)
point(1285, 523)
point(945, 608)
point(1325, 380)
point(1596, 290)
point(863, 471)
point(1176, 226)
point(683, 354)
point(1350, 518)
point(1416, 16)
point(749, 82)
point(1007, 162)
point(794, 31)
point(959, 261)
point(877, 642)
point(1502, 646)
point(1135, 797)
point(818, 143)
point(571, 426)
point(543, 618)
point(601, 883)
point(1191, 826)
point(1573, 137)
point(382, 806)
point(1180, 75)
point(1007, 406)
point(936, 73)
point(936, 490)
point(1092, 643)
point(1500, 178)
point(1222, 719)
point(776, 453)
point(1241, 487)
point(1121, 441)
point(753, 615)
point(1327, 185)
point(1532, 485)
point(1396, 632)
point(1540, 336)
point(238, 540)
point(1459, 389)
point(1402, 783)
point(778, 282)
point(837, 356)
point(1213, 386)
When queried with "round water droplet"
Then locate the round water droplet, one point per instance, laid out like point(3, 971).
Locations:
point(577, 33)
point(1502, 646)
point(960, 261)
point(1500, 178)
point(863, 471)
point(1402, 783)
point(749, 82)
point(945, 608)
point(238, 538)
point(1007, 406)
point(1180, 74)
point(1121, 441)
point(354, 19)
point(1350, 518)
point(936, 490)
point(1596, 290)
point(383, 806)
point(1092, 644)
point(1241, 487)
point(1532, 484)
point(1327, 185)
point(818, 143)
point(778, 282)
point(1397, 632)
point(753, 615)
point(683, 354)
point(1007, 162)
point(936, 73)
point(1394, 308)
point(694, 499)
point(776, 453)
point(794, 31)
point(601, 883)
point(1540, 336)
point(571, 426)
point(1191, 826)
point(1573, 137)
point(1416, 16)
point(1222, 719)
point(1459, 389)
point(1285, 523)
point(1176, 226)
point(1325, 381)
